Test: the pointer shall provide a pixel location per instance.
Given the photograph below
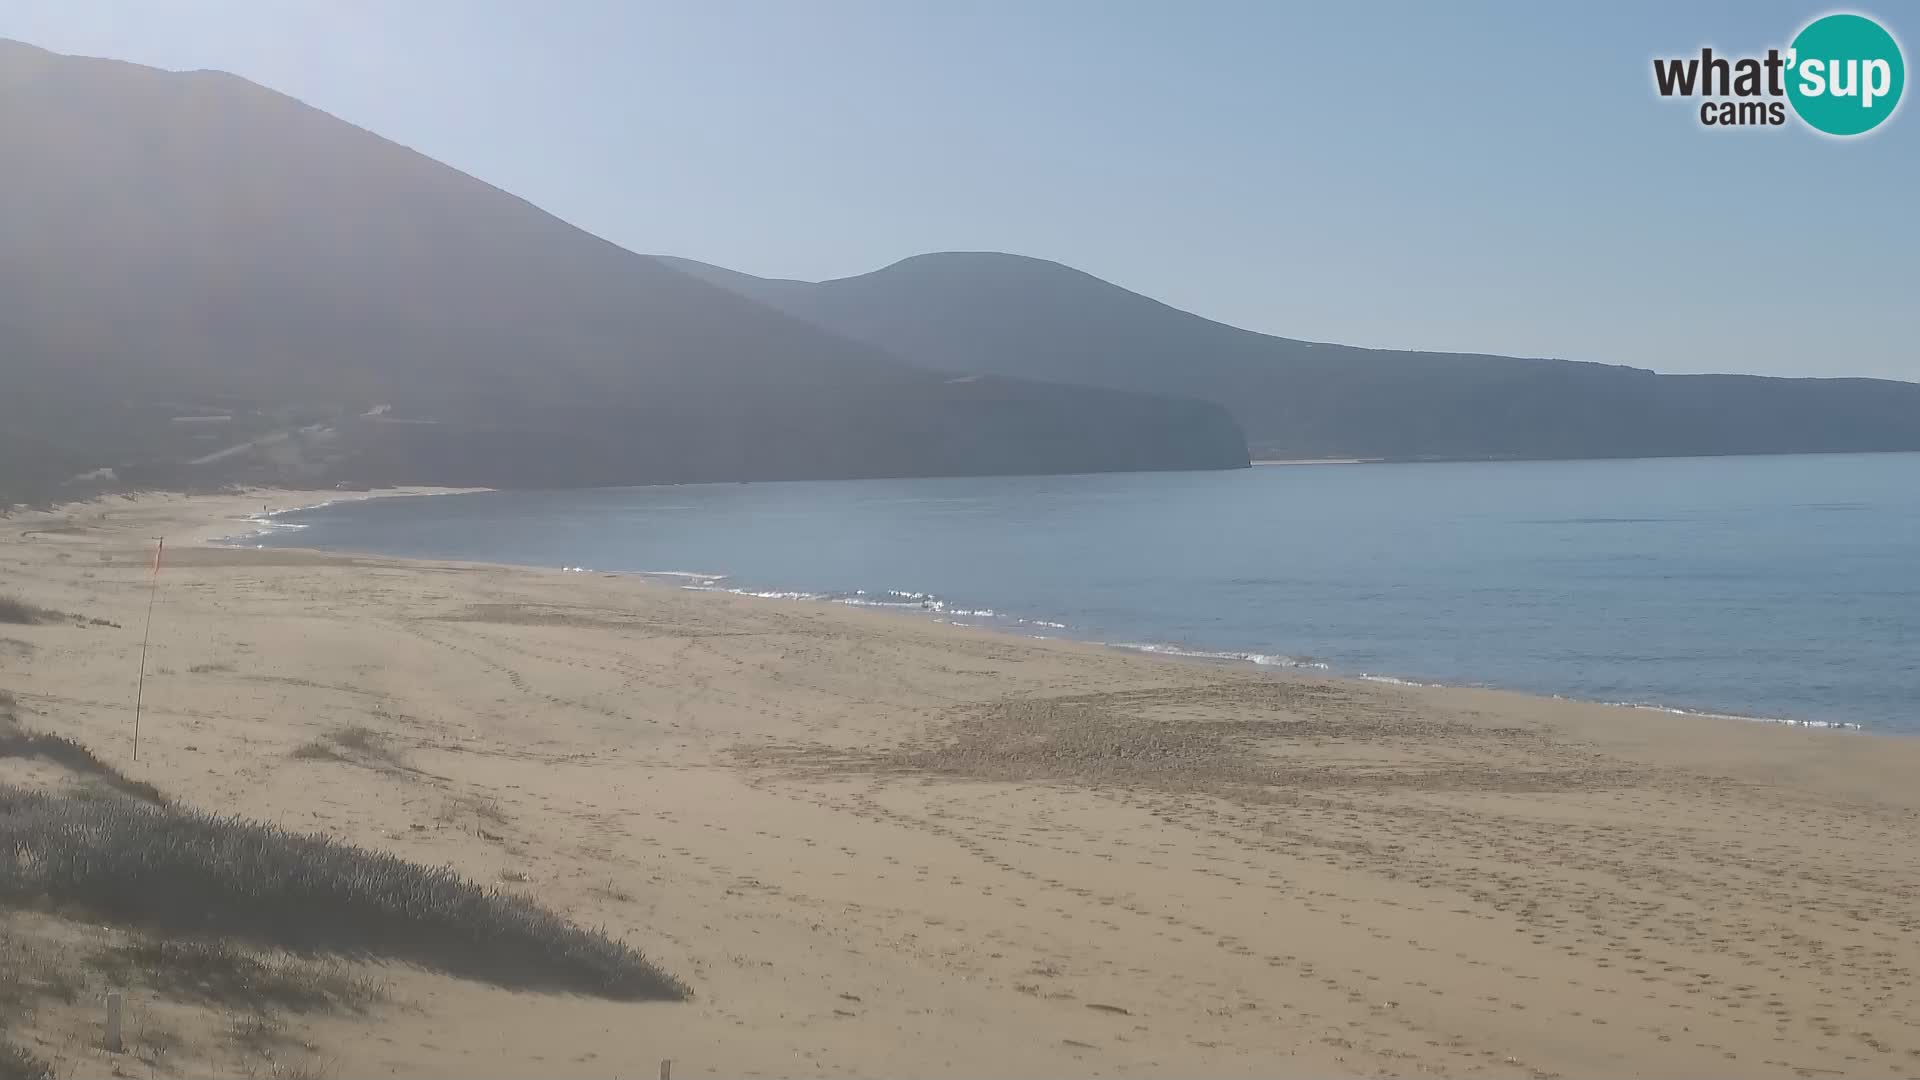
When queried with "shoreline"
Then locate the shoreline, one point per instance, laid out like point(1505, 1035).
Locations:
point(204, 535)
point(709, 582)
point(877, 845)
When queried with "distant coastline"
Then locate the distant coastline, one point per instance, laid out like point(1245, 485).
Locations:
point(1318, 461)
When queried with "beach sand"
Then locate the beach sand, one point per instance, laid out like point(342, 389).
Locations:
point(876, 845)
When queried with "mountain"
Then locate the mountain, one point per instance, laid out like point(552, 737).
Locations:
point(196, 267)
point(1014, 316)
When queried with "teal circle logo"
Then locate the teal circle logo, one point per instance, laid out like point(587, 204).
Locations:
point(1845, 74)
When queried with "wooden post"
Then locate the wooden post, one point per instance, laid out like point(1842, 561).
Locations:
point(666, 1069)
point(113, 1022)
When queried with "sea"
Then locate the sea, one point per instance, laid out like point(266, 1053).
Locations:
point(1782, 589)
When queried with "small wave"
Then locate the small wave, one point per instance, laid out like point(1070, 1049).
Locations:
point(263, 525)
point(1261, 659)
point(1392, 680)
point(1828, 725)
point(860, 599)
point(758, 594)
point(321, 505)
point(886, 599)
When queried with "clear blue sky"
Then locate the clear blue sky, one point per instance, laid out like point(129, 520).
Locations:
point(1453, 176)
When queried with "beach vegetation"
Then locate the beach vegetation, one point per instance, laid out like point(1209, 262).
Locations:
point(71, 755)
point(180, 872)
point(19, 1063)
point(354, 743)
point(19, 612)
point(221, 972)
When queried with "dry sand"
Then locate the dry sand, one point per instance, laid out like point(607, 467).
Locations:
point(879, 846)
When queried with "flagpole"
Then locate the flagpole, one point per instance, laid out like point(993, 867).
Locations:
point(140, 688)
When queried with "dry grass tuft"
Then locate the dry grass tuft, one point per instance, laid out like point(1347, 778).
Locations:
point(255, 1032)
point(19, 1063)
point(283, 1070)
point(317, 750)
point(222, 973)
point(360, 738)
point(614, 891)
point(484, 810)
point(357, 744)
point(18, 611)
point(71, 755)
point(155, 1040)
point(31, 970)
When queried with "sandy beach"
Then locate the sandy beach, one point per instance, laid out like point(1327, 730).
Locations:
point(876, 845)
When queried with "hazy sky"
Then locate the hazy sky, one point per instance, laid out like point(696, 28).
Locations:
point(1451, 176)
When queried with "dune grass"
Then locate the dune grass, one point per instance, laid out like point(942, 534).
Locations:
point(178, 871)
point(357, 744)
point(217, 972)
point(18, 611)
point(19, 1063)
point(29, 973)
point(16, 741)
point(31, 970)
point(72, 755)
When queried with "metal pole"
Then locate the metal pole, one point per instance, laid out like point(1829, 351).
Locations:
point(140, 688)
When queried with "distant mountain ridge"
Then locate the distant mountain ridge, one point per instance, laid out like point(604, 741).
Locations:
point(1010, 315)
point(173, 244)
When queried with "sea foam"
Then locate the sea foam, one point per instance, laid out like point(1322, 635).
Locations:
point(1259, 659)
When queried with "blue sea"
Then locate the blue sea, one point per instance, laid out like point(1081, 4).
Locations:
point(1782, 588)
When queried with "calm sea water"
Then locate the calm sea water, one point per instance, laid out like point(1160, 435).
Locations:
point(1772, 587)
